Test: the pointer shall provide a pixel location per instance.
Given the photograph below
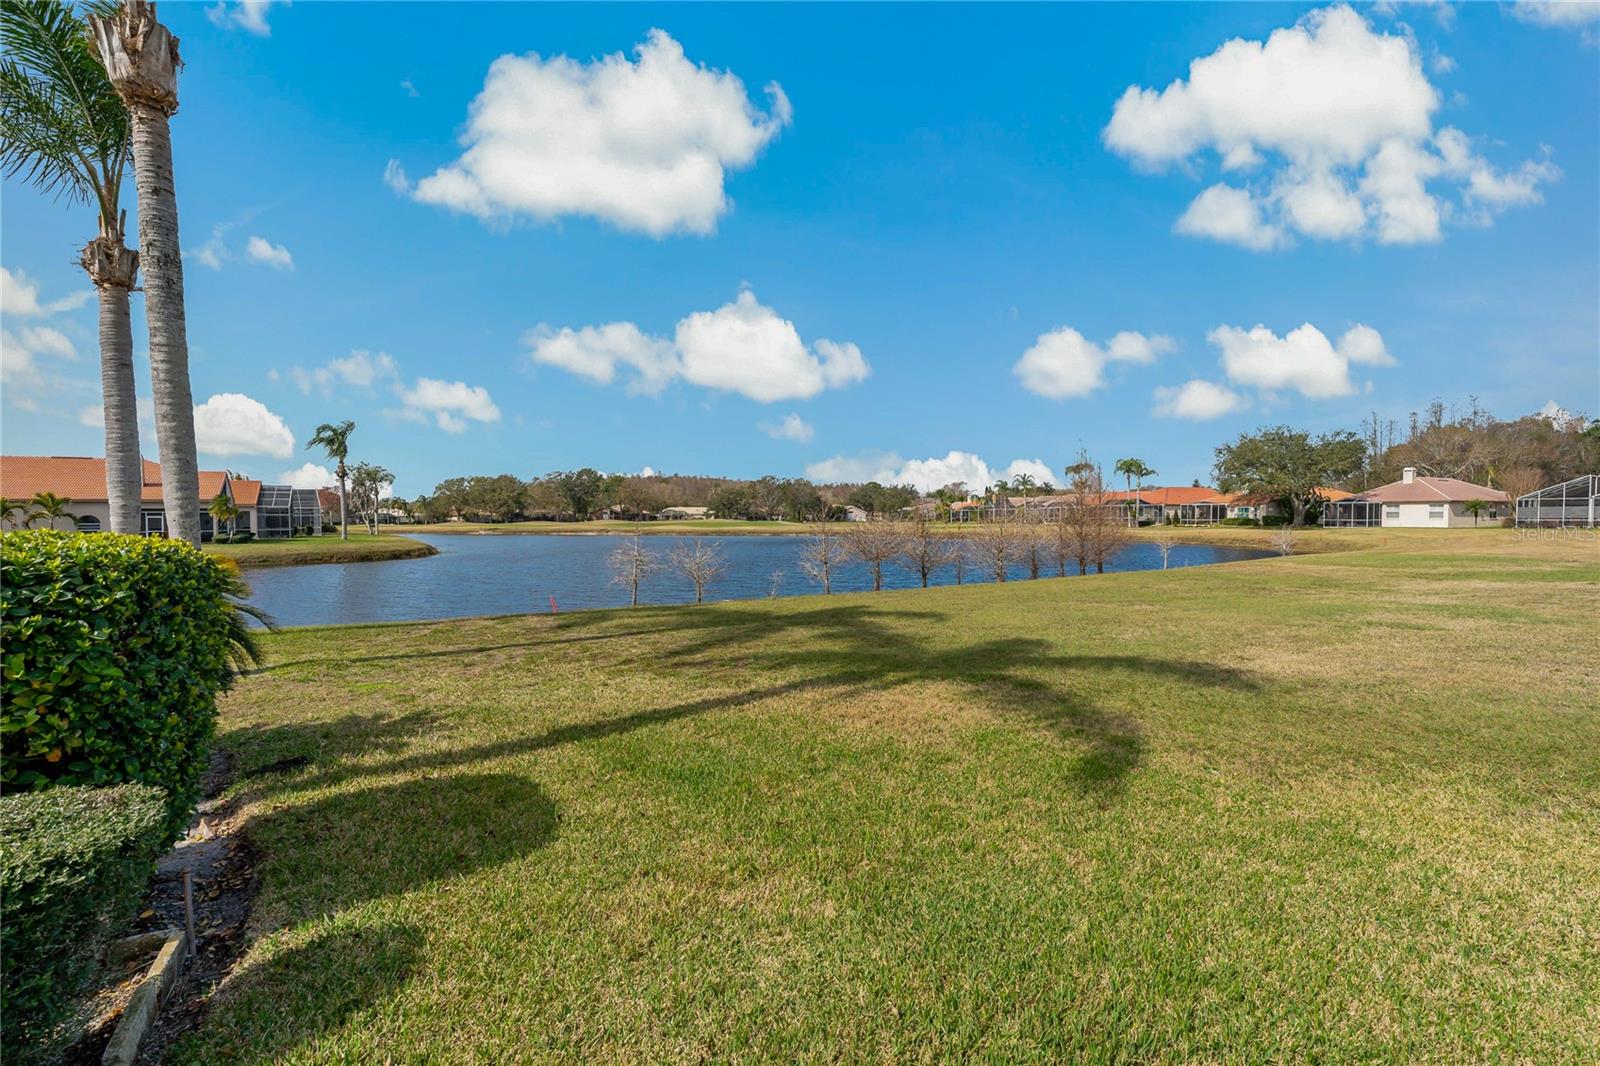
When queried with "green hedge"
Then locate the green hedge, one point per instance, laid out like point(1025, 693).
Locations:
point(113, 650)
point(74, 863)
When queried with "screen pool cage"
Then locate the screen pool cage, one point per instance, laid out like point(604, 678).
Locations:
point(272, 511)
point(1352, 512)
point(1571, 503)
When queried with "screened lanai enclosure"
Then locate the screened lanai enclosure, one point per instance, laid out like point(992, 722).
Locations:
point(1353, 512)
point(1571, 503)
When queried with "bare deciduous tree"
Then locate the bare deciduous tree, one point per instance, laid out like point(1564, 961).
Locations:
point(1033, 547)
point(1093, 532)
point(924, 550)
point(1165, 542)
point(822, 556)
point(1283, 540)
point(995, 547)
point(632, 563)
point(874, 544)
point(700, 562)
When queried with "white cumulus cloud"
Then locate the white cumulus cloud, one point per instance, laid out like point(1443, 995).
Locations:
point(1303, 360)
point(1196, 400)
point(451, 404)
point(925, 474)
point(307, 476)
point(1064, 363)
point(644, 144)
point(19, 296)
point(360, 369)
point(743, 347)
point(276, 256)
point(247, 15)
point(792, 427)
point(231, 423)
point(1567, 14)
point(1327, 130)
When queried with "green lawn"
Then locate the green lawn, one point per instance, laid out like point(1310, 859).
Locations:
point(328, 548)
point(1339, 807)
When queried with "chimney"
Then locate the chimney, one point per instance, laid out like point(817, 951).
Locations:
point(1408, 475)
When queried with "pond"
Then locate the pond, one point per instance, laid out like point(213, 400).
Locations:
point(517, 573)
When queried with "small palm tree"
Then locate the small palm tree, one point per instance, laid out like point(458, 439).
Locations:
point(12, 512)
point(49, 505)
point(334, 438)
point(222, 510)
point(1475, 508)
point(65, 130)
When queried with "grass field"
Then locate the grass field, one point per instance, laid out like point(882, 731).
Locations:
point(1336, 807)
point(301, 551)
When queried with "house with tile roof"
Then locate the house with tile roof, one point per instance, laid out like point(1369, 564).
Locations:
point(1419, 502)
point(82, 479)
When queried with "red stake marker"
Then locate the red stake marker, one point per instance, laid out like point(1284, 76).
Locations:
point(553, 604)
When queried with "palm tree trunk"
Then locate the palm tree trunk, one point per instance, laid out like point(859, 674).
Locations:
point(141, 59)
point(344, 525)
point(169, 342)
point(112, 267)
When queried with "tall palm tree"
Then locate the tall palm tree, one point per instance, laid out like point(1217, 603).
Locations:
point(49, 505)
point(141, 59)
point(334, 438)
point(1135, 471)
point(65, 129)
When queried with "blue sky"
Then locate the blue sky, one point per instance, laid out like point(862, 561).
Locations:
point(947, 229)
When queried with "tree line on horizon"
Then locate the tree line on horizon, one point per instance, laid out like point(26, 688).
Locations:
point(1278, 462)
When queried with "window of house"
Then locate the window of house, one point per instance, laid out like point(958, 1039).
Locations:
point(1391, 512)
point(1435, 510)
point(88, 524)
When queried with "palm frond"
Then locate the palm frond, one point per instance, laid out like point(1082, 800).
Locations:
point(57, 103)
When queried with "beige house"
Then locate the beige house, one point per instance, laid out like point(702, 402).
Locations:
point(265, 510)
point(682, 513)
point(1417, 502)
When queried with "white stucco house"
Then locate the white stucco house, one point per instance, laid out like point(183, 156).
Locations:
point(1421, 503)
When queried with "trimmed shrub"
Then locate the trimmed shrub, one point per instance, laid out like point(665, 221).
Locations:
point(74, 864)
point(113, 649)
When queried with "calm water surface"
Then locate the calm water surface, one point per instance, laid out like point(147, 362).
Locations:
point(510, 574)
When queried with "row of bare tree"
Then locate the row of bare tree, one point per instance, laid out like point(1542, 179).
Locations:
point(1082, 538)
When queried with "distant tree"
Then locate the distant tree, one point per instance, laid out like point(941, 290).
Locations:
point(874, 544)
point(1032, 547)
point(698, 561)
point(1475, 508)
point(995, 546)
point(822, 555)
point(1091, 532)
point(581, 490)
point(1517, 481)
point(368, 483)
point(49, 506)
point(334, 439)
point(1282, 540)
point(1134, 471)
point(1280, 461)
point(632, 563)
point(733, 501)
point(502, 497)
point(924, 550)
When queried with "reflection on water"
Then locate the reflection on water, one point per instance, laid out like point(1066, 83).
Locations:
point(511, 574)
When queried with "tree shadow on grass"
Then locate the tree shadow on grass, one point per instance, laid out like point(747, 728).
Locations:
point(341, 849)
point(303, 992)
point(844, 650)
point(262, 752)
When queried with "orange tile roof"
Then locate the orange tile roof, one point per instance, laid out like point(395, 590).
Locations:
point(246, 491)
point(83, 478)
point(1165, 496)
